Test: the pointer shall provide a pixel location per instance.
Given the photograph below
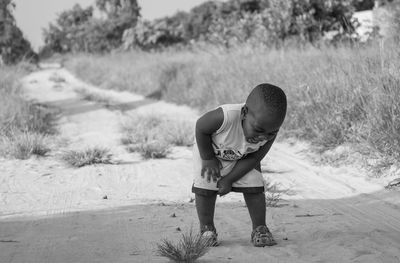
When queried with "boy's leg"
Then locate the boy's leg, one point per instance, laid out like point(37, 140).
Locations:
point(257, 208)
point(205, 206)
point(260, 236)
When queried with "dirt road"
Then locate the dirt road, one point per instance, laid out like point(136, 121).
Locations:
point(50, 212)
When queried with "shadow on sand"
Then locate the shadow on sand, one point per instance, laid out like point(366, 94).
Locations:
point(68, 107)
point(362, 228)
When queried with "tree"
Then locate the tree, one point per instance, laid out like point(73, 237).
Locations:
point(78, 30)
point(362, 5)
point(120, 8)
point(200, 19)
point(273, 22)
point(158, 33)
point(13, 46)
point(123, 14)
point(67, 34)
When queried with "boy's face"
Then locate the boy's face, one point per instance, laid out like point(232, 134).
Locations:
point(258, 123)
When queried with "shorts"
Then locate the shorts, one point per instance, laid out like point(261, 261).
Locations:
point(252, 182)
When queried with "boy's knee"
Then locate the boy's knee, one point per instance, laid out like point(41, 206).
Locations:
point(204, 192)
point(254, 195)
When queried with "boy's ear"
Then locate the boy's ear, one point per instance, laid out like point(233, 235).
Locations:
point(244, 111)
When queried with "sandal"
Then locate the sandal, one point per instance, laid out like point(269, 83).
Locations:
point(261, 237)
point(209, 233)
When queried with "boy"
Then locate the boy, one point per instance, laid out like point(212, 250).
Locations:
point(231, 140)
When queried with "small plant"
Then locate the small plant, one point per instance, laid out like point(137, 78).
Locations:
point(188, 249)
point(142, 135)
point(273, 195)
point(24, 125)
point(179, 132)
point(79, 158)
point(152, 135)
point(23, 145)
point(152, 149)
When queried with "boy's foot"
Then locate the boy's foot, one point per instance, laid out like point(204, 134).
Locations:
point(261, 237)
point(209, 233)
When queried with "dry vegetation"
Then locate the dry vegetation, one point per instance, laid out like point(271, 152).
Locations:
point(274, 193)
point(336, 95)
point(22, 145)
point(24, 125)
point(89, 156)
point(188, 249)
point(152, 135)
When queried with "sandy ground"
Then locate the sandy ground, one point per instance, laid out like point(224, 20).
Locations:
point(50, 212)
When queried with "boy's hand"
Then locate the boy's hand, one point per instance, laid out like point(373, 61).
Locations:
point(224, 185)
point(210, 169)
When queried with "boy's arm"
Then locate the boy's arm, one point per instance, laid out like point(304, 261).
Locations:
point(206, 125)
point(243, 166)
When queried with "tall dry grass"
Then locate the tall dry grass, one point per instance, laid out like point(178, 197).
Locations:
point(88, 156)
point(335, 95)
point(23, 124)
point(188, 249)
point(152, 135)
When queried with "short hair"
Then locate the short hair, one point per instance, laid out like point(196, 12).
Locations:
point(274, 97)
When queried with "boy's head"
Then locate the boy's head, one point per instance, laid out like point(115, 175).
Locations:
point(263, 113)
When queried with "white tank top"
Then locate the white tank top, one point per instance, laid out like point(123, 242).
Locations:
point(228, 141)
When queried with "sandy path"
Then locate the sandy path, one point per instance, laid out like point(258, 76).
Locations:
point(37, 184)
point(53, 213)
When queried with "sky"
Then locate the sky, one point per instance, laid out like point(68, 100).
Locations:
point(34, 15)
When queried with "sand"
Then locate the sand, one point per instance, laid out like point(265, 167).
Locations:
point(51, 212)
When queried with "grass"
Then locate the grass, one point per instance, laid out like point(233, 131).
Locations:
point(89, 156)
point(273, 194)
point(22, 145)
point(24, 125)
point(152, 135)
point(188, 249)
point(178, 132)
point(335, 95)
point(150, 149)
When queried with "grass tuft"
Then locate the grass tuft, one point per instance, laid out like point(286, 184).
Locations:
point(273, 194)
point(153, 135)
point(178, 132)
point(150, 149)
point(22, 145)
point(188, 249)
point(24, 125)
point(79, 158)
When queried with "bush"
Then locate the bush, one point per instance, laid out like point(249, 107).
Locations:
point(150, 149)
point(273, 194)
point(23, 145)
point(178, 132)
point(24, 125)
point(79, 158)
point(188, 249)
point(152, 135)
